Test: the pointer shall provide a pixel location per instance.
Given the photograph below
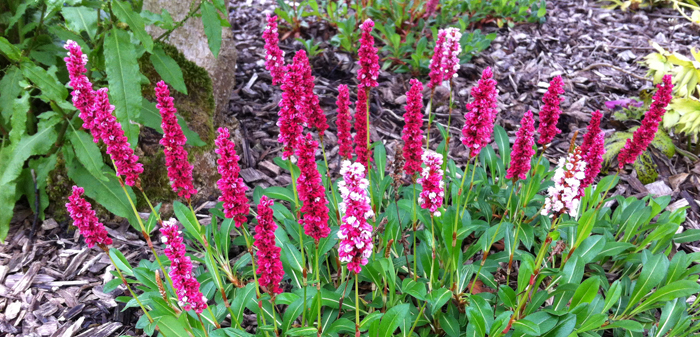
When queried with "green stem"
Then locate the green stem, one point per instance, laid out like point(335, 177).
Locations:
point(453, 263)
point(330, 182)
point(410, 333)
point(493, 239)
point(206, 334)
point(357, 307)
point(301, 239)
point(415, 247)
point(471, 186)
point(430, 113)
point(318, 289)
point(255, 273)
point(180, 23)
point(210, 256)
point(128, 287)
point(432, 246)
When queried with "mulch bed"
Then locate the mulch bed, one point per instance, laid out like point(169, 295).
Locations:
point(52, 287)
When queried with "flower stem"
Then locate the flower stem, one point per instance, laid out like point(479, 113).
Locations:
point(255, 273)
point(357, 307)
point(318, 289)
point(430, 113)
point(415, 247)
point(330, 182)
point(415, 323)
point(206, 334)
point(301, 239)
point(432, 246)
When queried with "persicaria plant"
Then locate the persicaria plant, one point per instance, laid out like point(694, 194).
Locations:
point(505, 245)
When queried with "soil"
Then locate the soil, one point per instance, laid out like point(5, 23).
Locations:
point(51, 286)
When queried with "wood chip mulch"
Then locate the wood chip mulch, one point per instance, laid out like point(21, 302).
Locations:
point(53, 286)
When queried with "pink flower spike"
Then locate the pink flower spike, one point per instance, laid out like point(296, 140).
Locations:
point(369, 60)
point(185, 284)
point(268, 254)
point(179, 169)
point(564, 196)
point(274, 56)
point(481, 113)
point(84, 218)
point(361, 111)
point(643, 136)
point(593, 149)
point(431, 180)
point(314, 115)
point(112, 134)
point(311, 191)
point(451, 51)
point(231, 185)
point(430, 7)
point(522, 149)
point(342, 121)
point(293, 108)
point(412, 130)
point(355, 232)
point(436, 73)
point(83, 95)
point(549, 115)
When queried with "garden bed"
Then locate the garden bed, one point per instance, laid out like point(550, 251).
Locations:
point(52, 286)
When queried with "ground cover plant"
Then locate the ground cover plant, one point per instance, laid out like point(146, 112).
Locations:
point(40, 127)
point(416, 246)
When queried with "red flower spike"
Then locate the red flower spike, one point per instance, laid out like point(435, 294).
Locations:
point(481, 113)
point(549, 115)
point(268, 254)
point(522, 149)
point(179, 168)
point(643, 136)
point(311, 191)
point(343, 122)
point(84, 218)
point(232, 186)
point(412, 130)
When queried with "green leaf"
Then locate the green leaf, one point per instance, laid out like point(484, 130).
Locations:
point(87, 153)
point(380, 159)
point(438, 298)
point(613, 294)
point(51, 88)
point(413, 288)
point(564, 327)
point(123, 11)
point(18, 122)
point(527, 327)
point(341, 325)
point(279, 193)
point(682, 288)
point(81, 19)
point(124, 81)
point(7, 205)
point(212, 27)
point(240, 301)
point(627, 325)
point(450, 325)
point(653, 271)
point(108, 193)
point(168, 69)
point(291, 313)
point(187, 219)
point(120, 261)
point(172, 327)
point(8, 49)
point(111, 285)
point(9, 90)
point(501, 138)
point(150, 117)
point(38, 143)
point(585, 226)
point(392, 318)
point(229, 332)
point(688, 235)
point(586, 291)
point(304, 331)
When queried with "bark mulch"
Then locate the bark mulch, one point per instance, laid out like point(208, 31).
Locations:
point(52, 287)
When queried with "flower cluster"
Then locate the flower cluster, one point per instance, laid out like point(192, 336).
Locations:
point(110, 131)
point(185, 284)
point(430, 7)
point(431, 180)
point(451, 51)
point(83, 95)
point(291, 119)
point(311, 191)
point(355, 232)
point(179, 169)
point(343, 122)
point(231, 185)
point(361, 136)
point(269, 263)
point(314, 115)
point(481, 113)
point(593, 149)
point(436, 72)
point(274, 56)
point(643, 136)
point(549, 115)
point(412, 130)
point(522, 149)
point(564, 196)
point(369, 60)
point(84, 218)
